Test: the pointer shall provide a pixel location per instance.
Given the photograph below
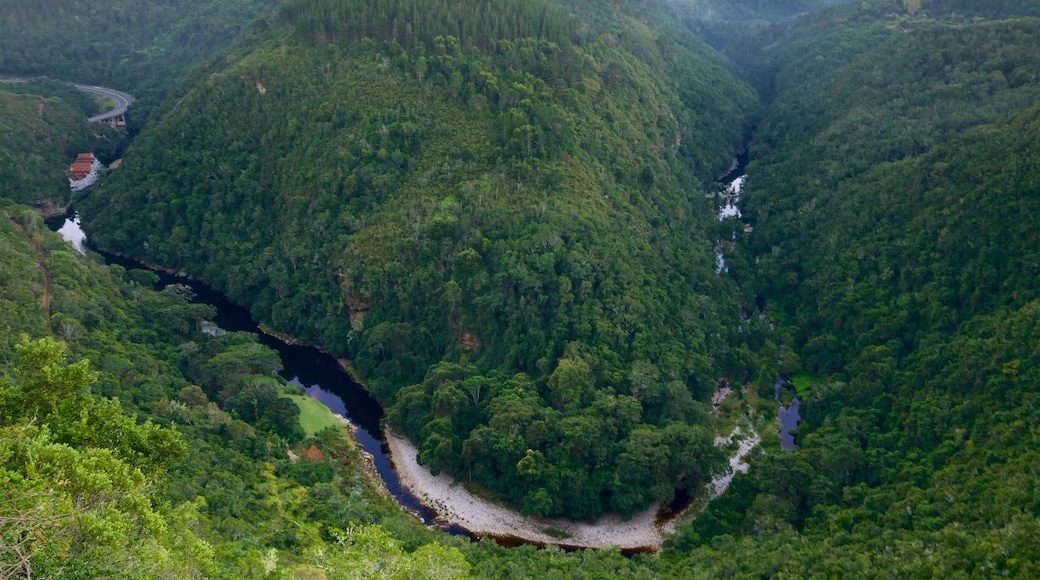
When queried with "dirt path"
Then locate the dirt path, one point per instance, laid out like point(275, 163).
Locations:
point(48, 288)
point(45, 300)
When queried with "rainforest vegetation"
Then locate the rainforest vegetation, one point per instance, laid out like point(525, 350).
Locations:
point(40, 136)
point(123, 44)
point(500, 212)
point(509, 238)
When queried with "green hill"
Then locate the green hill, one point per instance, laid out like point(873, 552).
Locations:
point(39, 137)
point(924, 441)
point(115, 460)
point(888, 188)
point(141, 47)
point(509, 222)
point(819, 184)
point(497, 211)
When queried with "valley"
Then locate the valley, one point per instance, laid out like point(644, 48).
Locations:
point(501, 216)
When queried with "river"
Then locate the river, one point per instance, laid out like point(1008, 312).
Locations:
point(787, 416)
point(323, 379)
point(727, 196)
point(317, 372)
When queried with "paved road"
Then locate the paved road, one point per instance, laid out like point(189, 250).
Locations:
point(122, 99)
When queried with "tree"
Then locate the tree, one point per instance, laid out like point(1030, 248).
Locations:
point(77, 477)
point(569, 383)
point(42, 379)
point(371, 552)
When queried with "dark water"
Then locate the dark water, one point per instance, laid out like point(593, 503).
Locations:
point(319, 373)
point(68, 227)
point(788, 416)
point(740, 162)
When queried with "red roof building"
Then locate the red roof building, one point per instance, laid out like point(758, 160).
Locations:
point(83, 172)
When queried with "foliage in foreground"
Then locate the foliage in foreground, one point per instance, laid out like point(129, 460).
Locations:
point(122, 464)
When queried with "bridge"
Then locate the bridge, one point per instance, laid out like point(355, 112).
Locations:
point(117, 116)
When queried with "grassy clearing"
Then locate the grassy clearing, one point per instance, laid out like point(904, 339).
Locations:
point(801, 382)
point(105, 103)
point(314, 416)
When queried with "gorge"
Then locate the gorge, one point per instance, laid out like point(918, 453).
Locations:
point(503, 214)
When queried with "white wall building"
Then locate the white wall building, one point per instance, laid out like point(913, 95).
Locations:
point(83, 172)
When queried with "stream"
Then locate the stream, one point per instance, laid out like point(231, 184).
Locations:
point(787, 416)
point(727, 196)
point(323, 379)
point(317, 372)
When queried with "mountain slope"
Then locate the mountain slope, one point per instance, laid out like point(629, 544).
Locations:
point(141, 47)
point(927, 437)
point(890, 188)
point(450, 211)
point(115, 462)
point(38, 139)
point(895, 102)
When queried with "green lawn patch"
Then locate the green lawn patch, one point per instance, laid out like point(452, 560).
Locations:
point(801, 381)
point(314, 416)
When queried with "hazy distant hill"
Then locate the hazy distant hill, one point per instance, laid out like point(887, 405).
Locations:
point(141, 47)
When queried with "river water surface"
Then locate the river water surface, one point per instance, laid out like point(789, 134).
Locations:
point(317, 372)
point(787, 416)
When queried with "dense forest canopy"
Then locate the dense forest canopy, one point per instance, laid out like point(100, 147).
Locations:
point(497, 210)
point(923, 435)
point(411, 22)
point(887, 187)
point(937, 83)
point(39, 136)
point(133, 445)
point(510, 239)
point(139, 46)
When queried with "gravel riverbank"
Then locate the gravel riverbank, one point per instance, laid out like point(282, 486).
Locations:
point(455, 505)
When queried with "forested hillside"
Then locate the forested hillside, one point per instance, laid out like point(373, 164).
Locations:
point(38, 138)
point(890, 188)
point(918, 454)
point(131, 447)
point(140, 46)
point(819, 164)
point(497, 210)
point(115, 460)
point(505, 230)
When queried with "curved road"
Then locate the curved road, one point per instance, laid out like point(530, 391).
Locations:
point(123, 101)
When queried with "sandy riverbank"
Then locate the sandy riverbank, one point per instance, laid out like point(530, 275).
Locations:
point(737, 463)
point(455, 505)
